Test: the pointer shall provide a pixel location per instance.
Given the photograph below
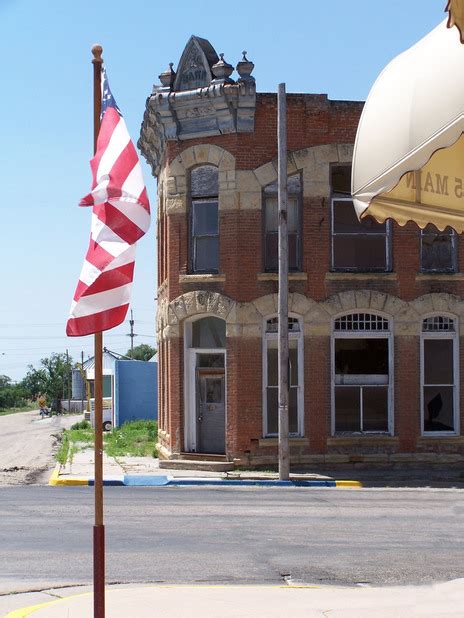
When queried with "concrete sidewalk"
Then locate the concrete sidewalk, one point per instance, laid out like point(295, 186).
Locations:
point(145, 471)
point(439, 601)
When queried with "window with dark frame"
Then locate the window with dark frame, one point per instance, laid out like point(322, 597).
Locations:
point(439, 375)
point(438, 251)
point(356, 246)
point(204, 220)
point(361, 379)
point(271, 225)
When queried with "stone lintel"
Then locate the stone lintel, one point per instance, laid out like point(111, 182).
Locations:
point(203, 278)
point(275, 276)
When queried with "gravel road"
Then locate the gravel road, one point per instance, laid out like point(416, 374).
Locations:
point(27, 444)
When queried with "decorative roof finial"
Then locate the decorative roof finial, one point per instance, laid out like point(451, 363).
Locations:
point(244, 68)
point(222, 71)
point(167, 77)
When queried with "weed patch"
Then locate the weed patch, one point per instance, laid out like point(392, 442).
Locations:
point(137, 439)
point(61, 455)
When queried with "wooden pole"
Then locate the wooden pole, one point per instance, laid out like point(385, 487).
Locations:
point(284, 456)
point(83, 381)
point(68, 381)
point(99, 528)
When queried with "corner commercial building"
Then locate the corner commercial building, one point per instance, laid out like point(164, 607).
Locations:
point(375, 309)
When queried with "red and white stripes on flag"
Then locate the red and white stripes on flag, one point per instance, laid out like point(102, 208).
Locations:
point(121, 215)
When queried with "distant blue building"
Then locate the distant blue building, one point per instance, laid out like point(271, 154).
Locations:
point(135, 391)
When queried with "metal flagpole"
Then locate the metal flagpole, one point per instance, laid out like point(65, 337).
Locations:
point(99, 528)
point(284, 458)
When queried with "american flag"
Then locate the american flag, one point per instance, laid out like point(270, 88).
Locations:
point(120, 216)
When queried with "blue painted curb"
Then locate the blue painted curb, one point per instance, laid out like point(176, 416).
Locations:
point(249, 483)
point(145, 481)
point(163, 481)
point(133, 480)
point(109, 482)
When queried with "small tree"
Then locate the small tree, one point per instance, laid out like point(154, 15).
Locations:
point(34, 382)
point(142, 352)
point(12, 396)
point(51, 379)
point(5, 381)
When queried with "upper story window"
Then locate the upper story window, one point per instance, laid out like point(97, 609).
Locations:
point(439, 375)
point(356, 246)
point(204, 220)
point(438, 252)
point(271, 225)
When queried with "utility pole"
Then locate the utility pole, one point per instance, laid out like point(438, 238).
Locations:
point(132, 334)
point(68, 381)
point(83, 381)
point(284, 455)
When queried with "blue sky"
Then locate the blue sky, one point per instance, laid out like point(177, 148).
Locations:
point(336, 47)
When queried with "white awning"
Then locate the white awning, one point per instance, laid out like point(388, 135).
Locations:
point(414, 111)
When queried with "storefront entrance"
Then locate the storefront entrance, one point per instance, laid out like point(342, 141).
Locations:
point(205, 381)
point(210, 410)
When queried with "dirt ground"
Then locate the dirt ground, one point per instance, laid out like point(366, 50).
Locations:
point(27, 445)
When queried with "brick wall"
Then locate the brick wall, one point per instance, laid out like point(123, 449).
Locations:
point(313, 120)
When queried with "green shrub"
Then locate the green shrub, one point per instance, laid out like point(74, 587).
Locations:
point(81, 425)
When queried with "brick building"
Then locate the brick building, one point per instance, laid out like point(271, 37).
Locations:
point(375, 309)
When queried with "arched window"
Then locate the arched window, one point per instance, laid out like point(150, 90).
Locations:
point(270, 377)
point(362, 374)
point(271, 225)
point(209, 332)
point(439, 375)
point(204, 220)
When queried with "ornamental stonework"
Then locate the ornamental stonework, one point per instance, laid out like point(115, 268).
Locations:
point(200, 99)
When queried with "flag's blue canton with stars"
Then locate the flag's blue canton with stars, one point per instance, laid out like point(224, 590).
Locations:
point(107, 97)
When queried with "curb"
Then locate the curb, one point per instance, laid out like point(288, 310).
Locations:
point(23, 612)
point(165, 481)
point(55, 480)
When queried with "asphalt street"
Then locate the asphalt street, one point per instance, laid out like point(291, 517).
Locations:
point(252, 535)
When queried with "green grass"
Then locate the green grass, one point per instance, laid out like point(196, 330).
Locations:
point(137, 439)
point(61, 455)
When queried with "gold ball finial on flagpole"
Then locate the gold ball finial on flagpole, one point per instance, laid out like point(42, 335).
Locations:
point(97, 51)
point(455, 8)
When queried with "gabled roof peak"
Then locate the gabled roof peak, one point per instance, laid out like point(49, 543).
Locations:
point(194, 70)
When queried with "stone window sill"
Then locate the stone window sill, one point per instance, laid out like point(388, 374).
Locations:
point(365, 440)
point(447, 439)
point(341, 276)
point(275, 441)
point(203, 278)
point(440, 277)
point(275, 276)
